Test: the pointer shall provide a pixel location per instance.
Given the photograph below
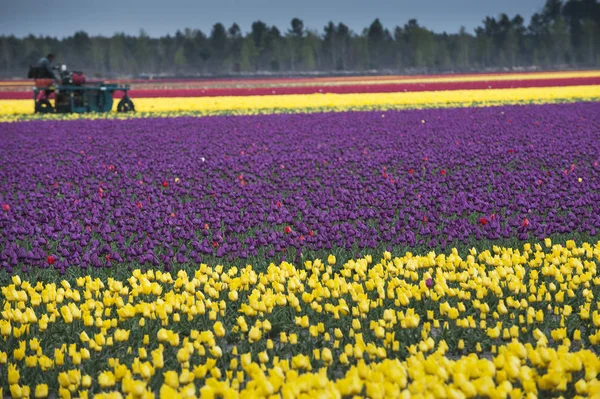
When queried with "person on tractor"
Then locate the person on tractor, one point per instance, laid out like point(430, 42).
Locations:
point(45, 67)
point(45, 75)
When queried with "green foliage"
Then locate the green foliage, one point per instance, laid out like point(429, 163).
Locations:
point(249, 52)
point(180, 60)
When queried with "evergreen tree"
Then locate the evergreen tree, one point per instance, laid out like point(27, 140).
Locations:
point(562, 33)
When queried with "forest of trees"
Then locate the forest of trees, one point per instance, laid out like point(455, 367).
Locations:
point(563, 34)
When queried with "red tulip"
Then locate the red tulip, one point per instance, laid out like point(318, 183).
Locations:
point(50, 260)
point(443, 171)
point(6, 207)
point(278, 204)
point(411, 171)
point(483, 221)
point(311, 233)
point(165, 184)
point(301, 238)
point(287, 229)
point(525, 222)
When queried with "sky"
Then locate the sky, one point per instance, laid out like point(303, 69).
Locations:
point(60, 18)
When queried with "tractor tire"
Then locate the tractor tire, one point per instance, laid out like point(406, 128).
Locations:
point(125, 105)
point(43, 107)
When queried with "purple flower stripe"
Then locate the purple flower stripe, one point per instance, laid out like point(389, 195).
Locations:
point(174, 190)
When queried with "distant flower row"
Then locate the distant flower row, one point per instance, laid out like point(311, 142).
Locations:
point(355, 88)
point(23, 85)
point(11, 110)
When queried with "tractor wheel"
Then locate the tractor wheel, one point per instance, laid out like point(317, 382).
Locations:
point(125, 105)
point(43, 107)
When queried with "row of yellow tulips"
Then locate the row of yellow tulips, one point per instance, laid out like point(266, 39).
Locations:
point(503, 322)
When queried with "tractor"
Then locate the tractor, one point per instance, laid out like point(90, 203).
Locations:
point(72, 94)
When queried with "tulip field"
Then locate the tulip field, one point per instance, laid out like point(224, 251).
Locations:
point(380, 237)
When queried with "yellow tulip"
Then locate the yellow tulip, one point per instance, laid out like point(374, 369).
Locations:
point(13, 374)
point(327, 356)
point(41, 391)
point(63, 380)
point(219, 329)
point(171, 379)
point(86, 381)
point(106, 379)
point(255, 334)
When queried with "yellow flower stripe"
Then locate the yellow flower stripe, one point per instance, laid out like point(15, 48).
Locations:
point(351, 80)
point(502, 322)
point(339, 102)
point(343, 102)
point(367, 80)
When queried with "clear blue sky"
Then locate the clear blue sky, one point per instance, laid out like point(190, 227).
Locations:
point(158, 17)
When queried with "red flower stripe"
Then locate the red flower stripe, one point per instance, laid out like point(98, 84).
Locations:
point(288, 80)
point(341, 89)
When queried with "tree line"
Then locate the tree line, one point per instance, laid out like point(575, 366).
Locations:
point(562, 34)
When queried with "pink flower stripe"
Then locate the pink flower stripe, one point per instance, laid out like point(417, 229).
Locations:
point(291, 80)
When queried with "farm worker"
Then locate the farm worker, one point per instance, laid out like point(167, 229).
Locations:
point(45, 66)
point(46, 72)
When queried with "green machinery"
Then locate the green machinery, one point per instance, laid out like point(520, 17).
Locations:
point(87, 97)
point(72, 94)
